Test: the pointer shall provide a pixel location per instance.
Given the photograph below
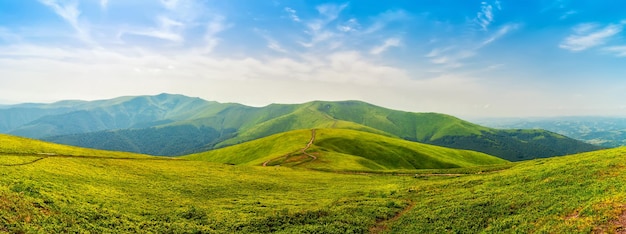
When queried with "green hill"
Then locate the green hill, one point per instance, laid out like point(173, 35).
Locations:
point(73, 117)
point(176, 125)
point(12, 145)
point(344, 150)
point(581, 193)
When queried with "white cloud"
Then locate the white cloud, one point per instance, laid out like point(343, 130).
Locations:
point(168, 29)
point(170, 4)
point(70, 13)
point(390, 42)
point(619, 51)
point(349, 26)
point(271, 42)
point(331, 11)
point(215, 26)
point(318, 29)
point(292, 14)
point(568, 14)
point(499, 34)
point(385, 18)
point(485, 16)
point(589, 35)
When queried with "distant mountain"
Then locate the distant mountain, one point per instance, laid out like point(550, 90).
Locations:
point(71, 117)
point(344, 150)
point(602, 131)
point(176, 125)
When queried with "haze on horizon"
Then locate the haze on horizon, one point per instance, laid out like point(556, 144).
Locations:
point(466, 58)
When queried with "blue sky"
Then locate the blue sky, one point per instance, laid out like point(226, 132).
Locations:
point(465, 58)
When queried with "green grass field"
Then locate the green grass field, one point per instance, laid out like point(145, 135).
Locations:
point(581, 193)
point(345, 150)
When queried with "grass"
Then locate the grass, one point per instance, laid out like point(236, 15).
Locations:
point(23, 146)
point(580, 193)
point(101, 195)
point(345, 150)
point(574, 194)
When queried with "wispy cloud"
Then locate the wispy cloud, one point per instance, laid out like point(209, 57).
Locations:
point(331, 11)
point(499, 34)
point(349, 26)
point(385, 18)
point(590, 35)
point(390, 42)
point(70, 13)
point(568, 14)
point(449, 57)
point(619, 51)
point(170, 4)
point(292, 14)
point(214, 27)
point(318, 29)
point(485, 16)
point(272, 43)
point(168, 29)
point(454, 56)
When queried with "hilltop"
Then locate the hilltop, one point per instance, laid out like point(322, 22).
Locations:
point(177, 125)
point(344, 150)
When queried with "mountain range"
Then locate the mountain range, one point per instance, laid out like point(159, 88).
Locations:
point(602, 131)
point(172, 125)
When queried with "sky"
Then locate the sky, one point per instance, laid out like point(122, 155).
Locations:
point(500, 58)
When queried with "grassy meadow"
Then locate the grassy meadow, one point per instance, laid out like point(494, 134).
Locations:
point(345, 150)
point(581, 193)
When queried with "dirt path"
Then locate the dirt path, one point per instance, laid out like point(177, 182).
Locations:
point(309, 145)
point(303, 150)
point(382, 225)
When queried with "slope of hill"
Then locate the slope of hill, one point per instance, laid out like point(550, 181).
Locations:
point(345, 150)
point(12, 145)
point(573, 194)
point(144, 124)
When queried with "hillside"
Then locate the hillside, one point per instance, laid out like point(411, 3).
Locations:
point(344, 150)
point(176, 125)
point(573, 194)
point(12, 145)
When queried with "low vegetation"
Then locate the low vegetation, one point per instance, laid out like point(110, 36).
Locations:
point(174, 125)
point(580, 193)
point(344, 150)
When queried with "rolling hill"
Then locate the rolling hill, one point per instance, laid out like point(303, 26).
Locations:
point(580, 193)
point(176, 125)
point(12, 145)
point(344, 150)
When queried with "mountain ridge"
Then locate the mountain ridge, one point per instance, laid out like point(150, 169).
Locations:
point(149, 124)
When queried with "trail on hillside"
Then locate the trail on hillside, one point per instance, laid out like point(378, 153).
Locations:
point(303, 150)
point(42, 157)
point(309, 145)
point(382, 225)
